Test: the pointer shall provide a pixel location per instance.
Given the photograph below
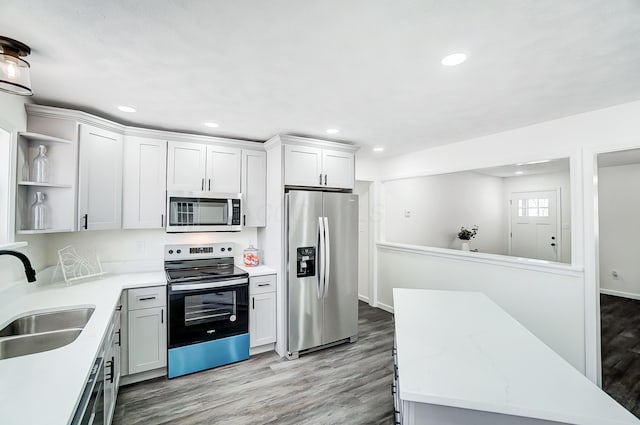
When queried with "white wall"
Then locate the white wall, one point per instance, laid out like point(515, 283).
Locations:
point(362, 189)
point(579, 137)
point(619, 208)
point(141, 245)
point(13, 118)
point(546, 182)
point(548, 303)
point(440, 205)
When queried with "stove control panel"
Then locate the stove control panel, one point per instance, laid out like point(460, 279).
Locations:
point(192, 252)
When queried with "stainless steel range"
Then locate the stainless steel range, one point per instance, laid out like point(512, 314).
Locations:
point(208, 308)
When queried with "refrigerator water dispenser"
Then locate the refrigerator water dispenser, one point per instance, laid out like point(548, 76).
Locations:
point(306, 265)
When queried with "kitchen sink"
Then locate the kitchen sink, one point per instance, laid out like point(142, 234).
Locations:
point(36, 343)
point(49, 321)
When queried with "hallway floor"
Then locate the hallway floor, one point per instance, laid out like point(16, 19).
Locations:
point(620, 321)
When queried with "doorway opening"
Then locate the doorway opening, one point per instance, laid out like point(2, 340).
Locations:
point(619, 275)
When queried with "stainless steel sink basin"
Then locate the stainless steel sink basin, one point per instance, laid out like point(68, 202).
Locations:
point(50, 321)
point(36, 343)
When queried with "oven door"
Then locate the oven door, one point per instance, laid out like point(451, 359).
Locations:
point(201, 312)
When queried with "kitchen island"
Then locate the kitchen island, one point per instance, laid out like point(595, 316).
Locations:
point(461, 359)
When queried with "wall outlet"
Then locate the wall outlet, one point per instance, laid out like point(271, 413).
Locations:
point(614, 273)
point(407, 213)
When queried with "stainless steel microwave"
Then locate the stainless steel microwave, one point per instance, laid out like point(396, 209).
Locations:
point(204, 212)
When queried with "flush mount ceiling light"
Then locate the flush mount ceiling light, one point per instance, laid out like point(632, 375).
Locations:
point(333, 131)
point(454, 59)
point(14, 71)
point(126, 108)
point(519, 173)
point(378, 149)
point(212, 124)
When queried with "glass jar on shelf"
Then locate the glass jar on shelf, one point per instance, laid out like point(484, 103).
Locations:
point(40, 168)
point(39, 212)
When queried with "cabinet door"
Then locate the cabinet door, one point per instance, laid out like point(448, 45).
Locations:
point(223, 169)
point(338, 169)
point(303, 166)
point(145, 183)
point(109, 382)
point(186, 163)
point(254, 187)
point(100, 179)
point(262, 319)
point(147, 339)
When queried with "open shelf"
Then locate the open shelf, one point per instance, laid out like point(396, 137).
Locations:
point(43, 138)
point(39, 184)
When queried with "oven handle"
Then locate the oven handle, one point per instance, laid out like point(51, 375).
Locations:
point(229, 212)
point(220, 284)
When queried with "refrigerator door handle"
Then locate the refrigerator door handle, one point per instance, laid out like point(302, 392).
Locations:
point(327, 254)
point(320, 258)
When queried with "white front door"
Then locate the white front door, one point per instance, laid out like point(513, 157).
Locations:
point(534, 225)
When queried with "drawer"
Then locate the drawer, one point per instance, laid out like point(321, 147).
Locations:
point(153, 296)
point(262, 284)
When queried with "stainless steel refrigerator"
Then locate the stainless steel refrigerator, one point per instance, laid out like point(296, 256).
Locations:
point(322, 269)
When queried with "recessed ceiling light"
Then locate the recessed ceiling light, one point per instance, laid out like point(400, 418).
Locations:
point(126, 108)
point(333, 131)
point(212, 124)
point(378, 149)
point(519, 172)
point(454, 59)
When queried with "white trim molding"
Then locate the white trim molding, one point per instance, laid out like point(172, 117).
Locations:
point(622, 294)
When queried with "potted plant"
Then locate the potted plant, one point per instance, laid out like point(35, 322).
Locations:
point(465, 235)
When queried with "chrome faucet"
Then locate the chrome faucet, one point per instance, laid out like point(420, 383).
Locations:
point(28, 270)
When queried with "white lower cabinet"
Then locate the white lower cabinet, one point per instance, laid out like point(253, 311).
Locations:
point(147, 329)
point(262, 312)
point(111, 368)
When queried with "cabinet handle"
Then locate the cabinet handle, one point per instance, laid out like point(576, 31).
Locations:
point(209, 185)
point(111, 366)
point(253, 303)
point(320, 179)
point(86, 221)
point(202, 184)
point(161, 220)
point(325, 179)
point(119, 332)
point(119, 308)
point(244, 219)
point(147, 298)
point(264, 284)
point(162, 315)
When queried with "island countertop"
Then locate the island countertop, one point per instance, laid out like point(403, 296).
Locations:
point(460, 349)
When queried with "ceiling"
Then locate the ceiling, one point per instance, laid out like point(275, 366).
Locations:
point(617, 158)
point(368, 67)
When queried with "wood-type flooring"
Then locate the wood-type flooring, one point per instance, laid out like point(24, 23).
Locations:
point(346, 384)
point(620, 323)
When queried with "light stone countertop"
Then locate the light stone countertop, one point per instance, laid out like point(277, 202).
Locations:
point(257, 270)
point(460, 349)
point(44, 388)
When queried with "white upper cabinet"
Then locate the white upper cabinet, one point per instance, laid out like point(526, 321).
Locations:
point(145, 180)
point(186, 166)
point(254, 187)
point(200, 167)
point(338, 169)
point(223, 169)
point(303, 165)
point(317, 167)
point(100, 179)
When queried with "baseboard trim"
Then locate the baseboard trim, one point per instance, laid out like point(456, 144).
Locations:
point(142, 376)
point(620, 294)
point(363, 298)
point(385, 307)
point(261, 349)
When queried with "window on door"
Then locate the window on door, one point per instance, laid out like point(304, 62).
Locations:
point(537, 207)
